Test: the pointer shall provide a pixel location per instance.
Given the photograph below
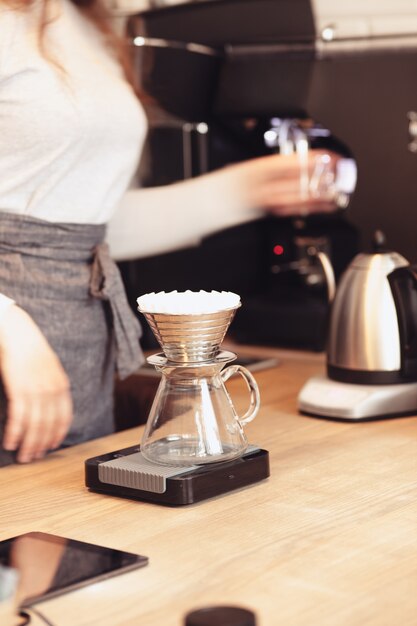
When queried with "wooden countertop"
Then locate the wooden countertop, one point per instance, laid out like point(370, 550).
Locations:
point(329, 539)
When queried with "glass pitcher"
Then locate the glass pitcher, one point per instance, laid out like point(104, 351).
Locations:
point(192, 420)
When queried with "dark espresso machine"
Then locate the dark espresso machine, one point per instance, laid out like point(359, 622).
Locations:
point(222, 77)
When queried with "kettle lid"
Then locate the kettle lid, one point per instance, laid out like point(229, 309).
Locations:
point(381, 259)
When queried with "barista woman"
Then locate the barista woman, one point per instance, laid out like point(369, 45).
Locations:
point(71, 130)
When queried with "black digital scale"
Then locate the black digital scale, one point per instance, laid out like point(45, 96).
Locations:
point(126, 473)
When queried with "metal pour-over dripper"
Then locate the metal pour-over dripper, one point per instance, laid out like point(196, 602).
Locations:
point(188, 336)
point(192, 419)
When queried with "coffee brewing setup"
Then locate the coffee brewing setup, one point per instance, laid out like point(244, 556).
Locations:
point(194, 446)
point(237, 79)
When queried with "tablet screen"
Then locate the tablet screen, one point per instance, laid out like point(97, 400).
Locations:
point(49, 565)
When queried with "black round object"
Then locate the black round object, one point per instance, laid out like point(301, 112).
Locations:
point(220, 616)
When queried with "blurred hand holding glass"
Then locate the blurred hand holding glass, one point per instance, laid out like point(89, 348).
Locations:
point(327, 174)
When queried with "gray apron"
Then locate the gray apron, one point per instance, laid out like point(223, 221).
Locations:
point(63, 276)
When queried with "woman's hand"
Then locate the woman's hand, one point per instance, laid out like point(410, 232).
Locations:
point(284, 185)
point(36, 386)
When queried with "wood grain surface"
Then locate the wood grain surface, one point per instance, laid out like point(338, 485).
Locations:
point(329, 539)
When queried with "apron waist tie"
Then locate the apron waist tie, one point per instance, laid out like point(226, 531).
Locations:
point(106, 284)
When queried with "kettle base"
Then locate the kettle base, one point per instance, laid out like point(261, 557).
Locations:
point(323, 397)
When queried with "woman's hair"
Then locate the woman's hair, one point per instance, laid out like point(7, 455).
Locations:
point(96, 12)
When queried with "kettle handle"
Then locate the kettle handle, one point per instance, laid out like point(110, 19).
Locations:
point(255, 398)
point(403, 283)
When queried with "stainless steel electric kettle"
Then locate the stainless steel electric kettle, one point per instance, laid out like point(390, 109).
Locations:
point(373, 325)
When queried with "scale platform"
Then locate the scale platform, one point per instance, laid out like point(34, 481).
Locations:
point(322, 397)
point(127, 474)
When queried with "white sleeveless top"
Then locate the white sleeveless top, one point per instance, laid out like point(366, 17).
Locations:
point(70, 142)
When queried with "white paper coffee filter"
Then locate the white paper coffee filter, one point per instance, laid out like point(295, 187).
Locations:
point(188, 302)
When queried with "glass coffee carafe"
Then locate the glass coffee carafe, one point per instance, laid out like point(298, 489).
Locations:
point(193, 420)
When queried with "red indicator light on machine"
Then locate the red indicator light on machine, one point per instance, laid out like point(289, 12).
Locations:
point(278, 250)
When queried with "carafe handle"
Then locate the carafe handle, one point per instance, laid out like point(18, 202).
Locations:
point(255, 398)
